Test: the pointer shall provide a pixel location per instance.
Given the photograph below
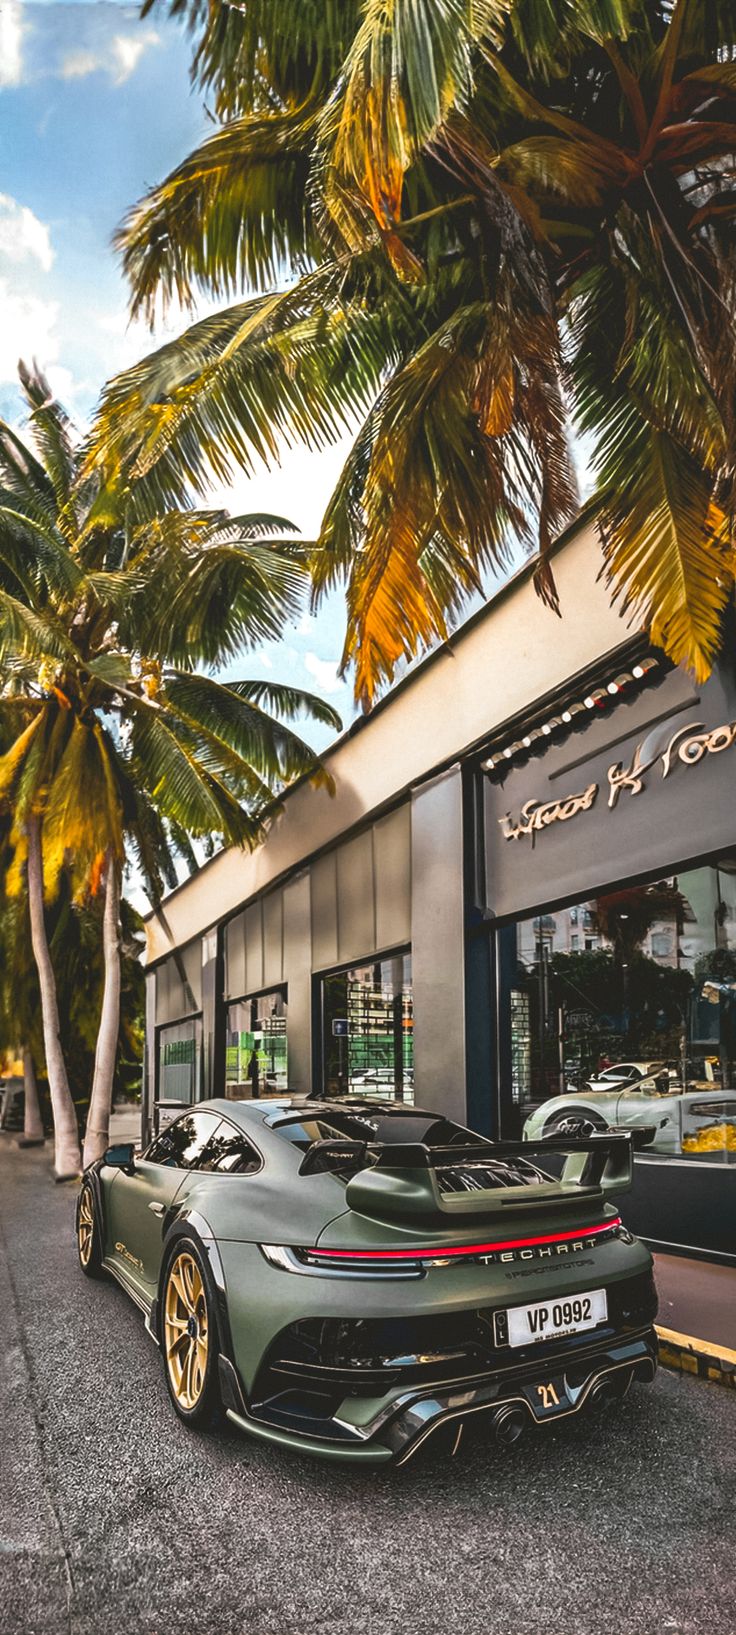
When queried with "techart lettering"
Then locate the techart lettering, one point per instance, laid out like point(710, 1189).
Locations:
point(538, 815)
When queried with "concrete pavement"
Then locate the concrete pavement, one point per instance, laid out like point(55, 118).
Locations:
point(114, 1516)
point(697, 1297)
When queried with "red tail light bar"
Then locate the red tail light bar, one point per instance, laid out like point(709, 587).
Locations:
point(467, 1249)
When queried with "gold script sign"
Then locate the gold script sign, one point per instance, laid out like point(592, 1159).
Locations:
point(686, 747)
point(536, 815)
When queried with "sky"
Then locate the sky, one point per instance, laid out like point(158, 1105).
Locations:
point(96, 106)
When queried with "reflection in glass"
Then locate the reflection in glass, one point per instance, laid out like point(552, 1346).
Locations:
point(182, 1144)
point(179, 1055)
point(367, 1030)
point(256, 1061)
point(638, 1026)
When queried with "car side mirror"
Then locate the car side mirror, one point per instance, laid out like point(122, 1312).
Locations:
point(121, 1156)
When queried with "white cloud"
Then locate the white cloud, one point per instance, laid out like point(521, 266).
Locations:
point(119, 60)
point(76, 64)
point(325, 673)
point(27, 330)
point(12, 29)
point(128, 50)
point(22, 234)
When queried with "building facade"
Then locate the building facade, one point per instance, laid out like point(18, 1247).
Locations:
point(525, 879)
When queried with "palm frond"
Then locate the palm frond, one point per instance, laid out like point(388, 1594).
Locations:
point(289, 702)
point(35, 635)
point(26, 486)
point(235, 214)
point(207, 606)
point(668, 549)
point(51, 429)
point(83, 819)
point(184, 791)
point(268, 52)
point(240, 724)
point(238, 387)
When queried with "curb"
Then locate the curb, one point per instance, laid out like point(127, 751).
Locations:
point(705, 1359)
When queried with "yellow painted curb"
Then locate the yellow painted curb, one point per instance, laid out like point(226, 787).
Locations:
point(704, 1358)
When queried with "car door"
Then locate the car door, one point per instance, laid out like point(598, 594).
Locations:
point(139, 1202)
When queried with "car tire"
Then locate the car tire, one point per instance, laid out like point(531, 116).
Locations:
point(89, 1235)
point(189, 1336)
point(574, 1121)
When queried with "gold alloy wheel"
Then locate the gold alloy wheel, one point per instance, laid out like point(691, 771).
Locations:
point(185, 1330)
point(85, 1231)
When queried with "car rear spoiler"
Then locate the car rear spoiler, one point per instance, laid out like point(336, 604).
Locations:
point(405, 1179)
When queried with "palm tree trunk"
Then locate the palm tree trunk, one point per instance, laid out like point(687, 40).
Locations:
point(97, 1133)
point(32, 1123)
point(67, 1156)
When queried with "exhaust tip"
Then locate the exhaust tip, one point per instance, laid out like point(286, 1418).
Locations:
point(509, 1424)
point(609, 1390)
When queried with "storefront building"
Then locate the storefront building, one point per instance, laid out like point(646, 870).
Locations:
point(518, 907)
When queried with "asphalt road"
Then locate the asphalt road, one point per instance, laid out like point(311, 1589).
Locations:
point(118, 1521)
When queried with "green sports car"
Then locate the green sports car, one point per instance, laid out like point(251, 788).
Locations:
point(356, 1278)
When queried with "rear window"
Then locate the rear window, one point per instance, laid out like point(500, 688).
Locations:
point(372, 1126)
point(482, 1172)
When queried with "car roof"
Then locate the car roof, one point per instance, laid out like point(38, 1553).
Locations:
point(618, 1067)
point(273, 1111)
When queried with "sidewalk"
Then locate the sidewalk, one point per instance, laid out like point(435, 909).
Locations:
point(697, 1316)
point(125, 1124)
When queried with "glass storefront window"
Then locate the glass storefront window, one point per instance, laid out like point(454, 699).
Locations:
point(367, 1030)
point(179, 1062)
point(256, 1058)
point(640, 1027)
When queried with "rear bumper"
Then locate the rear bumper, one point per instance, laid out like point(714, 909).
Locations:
point(393, 1429)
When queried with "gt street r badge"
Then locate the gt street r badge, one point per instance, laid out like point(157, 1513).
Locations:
point(120, 1249)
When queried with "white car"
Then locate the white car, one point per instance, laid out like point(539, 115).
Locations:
point(625, 1074)
point(700, 1119)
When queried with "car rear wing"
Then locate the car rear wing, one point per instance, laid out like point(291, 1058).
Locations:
point(480, 1178)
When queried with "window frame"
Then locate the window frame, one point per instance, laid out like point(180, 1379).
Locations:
point(245, 1136)
point(281, 988)
point(402, 951)
point(163, 1027)
point(219, 1118)
point(186, 1111)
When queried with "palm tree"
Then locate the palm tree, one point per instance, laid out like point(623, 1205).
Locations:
point(110, 624)
point(18, 991)
point(466, 221)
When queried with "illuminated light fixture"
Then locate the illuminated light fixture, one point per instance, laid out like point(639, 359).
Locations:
point(599, 698)
point(462, 1249)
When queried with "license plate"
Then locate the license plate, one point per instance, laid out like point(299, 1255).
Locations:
point(553, 1319)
